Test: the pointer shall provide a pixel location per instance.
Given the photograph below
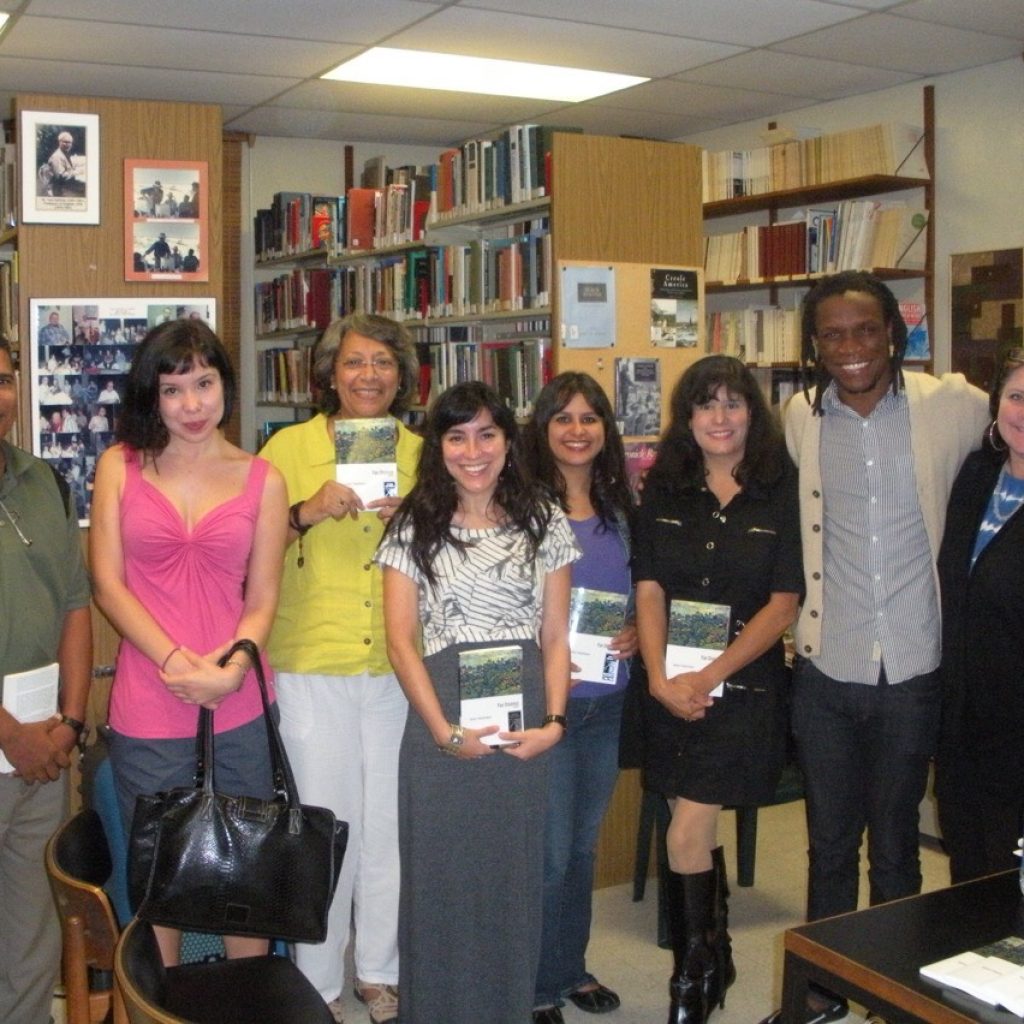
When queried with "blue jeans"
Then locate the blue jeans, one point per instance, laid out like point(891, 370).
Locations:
point(864, 753)
point(583, 769)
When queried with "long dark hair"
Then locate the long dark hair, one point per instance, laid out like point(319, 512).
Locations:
point(172, 347)
point(433, 501)
point(679, 465)
point(811, 370)
point(609, 488)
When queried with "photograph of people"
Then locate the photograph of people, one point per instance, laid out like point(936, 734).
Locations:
point(342, 710)
point(979, 775)
point(476, 557)
point(573, 448)
point(718, 523)
point(186, 547)
point(62, 170)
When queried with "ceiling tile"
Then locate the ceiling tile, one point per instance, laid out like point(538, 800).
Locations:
point(795, 75)
point(144, 46)
point(326, 124)
point(602, 120)
point(137, 83)
point(549, 41)
point(885, 41)
point(1000, 17)
point(352, 21)
point(742, 22)
point(670, 96)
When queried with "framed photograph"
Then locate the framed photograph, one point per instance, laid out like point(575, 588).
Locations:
point(60, 167)
point(165, 221)
point(79, 353)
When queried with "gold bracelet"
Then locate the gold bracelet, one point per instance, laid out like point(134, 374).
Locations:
point(237, 664)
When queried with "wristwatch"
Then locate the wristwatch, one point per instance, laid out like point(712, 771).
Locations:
point(455, 740)
point(557, 719)
point(79, 728)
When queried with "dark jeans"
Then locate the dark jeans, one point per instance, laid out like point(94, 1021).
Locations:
point(583, 769)
point(864, 752)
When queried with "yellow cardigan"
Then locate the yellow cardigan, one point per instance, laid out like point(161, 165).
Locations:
point(330, 618)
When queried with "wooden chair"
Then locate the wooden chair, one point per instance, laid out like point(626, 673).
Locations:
point(78, 865)
point(252, 990)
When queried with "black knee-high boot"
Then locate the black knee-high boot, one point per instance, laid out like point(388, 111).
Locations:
point(718, 937)
point(691, 908)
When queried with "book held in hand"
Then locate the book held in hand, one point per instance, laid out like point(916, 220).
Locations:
point(491, 690)
point(595, 616)
point(29, 697)
point(365, 456)
point(698, 632)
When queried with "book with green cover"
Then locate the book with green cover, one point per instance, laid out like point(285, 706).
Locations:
point(698, 632)
point(595, 616)
point(491, 690)
point(365, 454)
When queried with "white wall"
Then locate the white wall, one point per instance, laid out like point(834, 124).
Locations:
point(979, 144)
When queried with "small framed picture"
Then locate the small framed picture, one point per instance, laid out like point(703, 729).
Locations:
point(165, 221)
point(60, 167)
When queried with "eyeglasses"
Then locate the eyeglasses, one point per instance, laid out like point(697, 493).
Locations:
point(381, 365)
point(12, 518)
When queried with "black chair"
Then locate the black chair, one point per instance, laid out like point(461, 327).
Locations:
point(251, 990)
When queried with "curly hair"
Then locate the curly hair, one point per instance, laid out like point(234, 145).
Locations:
point(679, 465)
point(811, 370)
point(433, 501)
point(609, 487)
point(378, 328)
point(172, 347)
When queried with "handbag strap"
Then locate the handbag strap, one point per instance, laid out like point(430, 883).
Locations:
point(281, 769)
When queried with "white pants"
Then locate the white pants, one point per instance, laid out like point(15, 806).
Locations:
point(343, 735)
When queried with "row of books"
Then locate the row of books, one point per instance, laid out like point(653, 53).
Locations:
point(880, 149)
point(284, 375)
point(483, 276)
point(768, 335)
point(758, 334)
point(9, 296)
point(856, 234)
point(514, 358)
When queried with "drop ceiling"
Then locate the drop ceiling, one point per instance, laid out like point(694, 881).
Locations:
point(711, 62)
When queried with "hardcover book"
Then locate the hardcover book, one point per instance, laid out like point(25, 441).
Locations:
point(595, 616)
point(365, 457)
point(491, 691)
point(698, 632)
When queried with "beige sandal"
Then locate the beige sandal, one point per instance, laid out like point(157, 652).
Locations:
point(381, 1000)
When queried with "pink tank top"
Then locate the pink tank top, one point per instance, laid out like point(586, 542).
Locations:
point(191, 583)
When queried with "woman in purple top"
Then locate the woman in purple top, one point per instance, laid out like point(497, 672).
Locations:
point(575, 449)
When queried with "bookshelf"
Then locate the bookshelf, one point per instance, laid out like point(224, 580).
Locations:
point(477, 283)
point(753, 311)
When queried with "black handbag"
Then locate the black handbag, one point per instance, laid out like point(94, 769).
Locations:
point(236, 865)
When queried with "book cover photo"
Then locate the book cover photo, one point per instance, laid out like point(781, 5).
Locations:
point(675, 308)
point(595, 616)
point(698, 632)
point(491, 691)
point(366, 458)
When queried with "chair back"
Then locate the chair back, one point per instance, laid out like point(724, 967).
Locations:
point(142, 977)
point(77, 864)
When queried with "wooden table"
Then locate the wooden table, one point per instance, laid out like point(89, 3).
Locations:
point(873, 956)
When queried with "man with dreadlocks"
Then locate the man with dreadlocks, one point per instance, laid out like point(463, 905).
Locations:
point(877, 451)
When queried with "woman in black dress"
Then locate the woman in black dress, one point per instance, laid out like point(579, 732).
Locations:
point(719, 524)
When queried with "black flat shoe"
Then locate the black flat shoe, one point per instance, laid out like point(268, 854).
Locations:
point(549, 1015)
point(596, 1000)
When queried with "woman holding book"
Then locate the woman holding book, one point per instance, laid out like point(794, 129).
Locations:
point(718, 528)
point(187, 539)
point(575, 450)
point(342, 709)
point(476, 567)
point(979, 772)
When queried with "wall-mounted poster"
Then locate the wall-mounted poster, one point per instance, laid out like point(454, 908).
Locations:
point(638, 397)
point(60, 167)
point(986, 310)
point(675, 308)
point(165, 221)
point(588, 307)
point(79, 353)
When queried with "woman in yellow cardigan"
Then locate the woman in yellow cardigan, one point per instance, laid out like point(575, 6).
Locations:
point(342, 710)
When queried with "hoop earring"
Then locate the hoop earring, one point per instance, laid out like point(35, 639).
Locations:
point(992, 434)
